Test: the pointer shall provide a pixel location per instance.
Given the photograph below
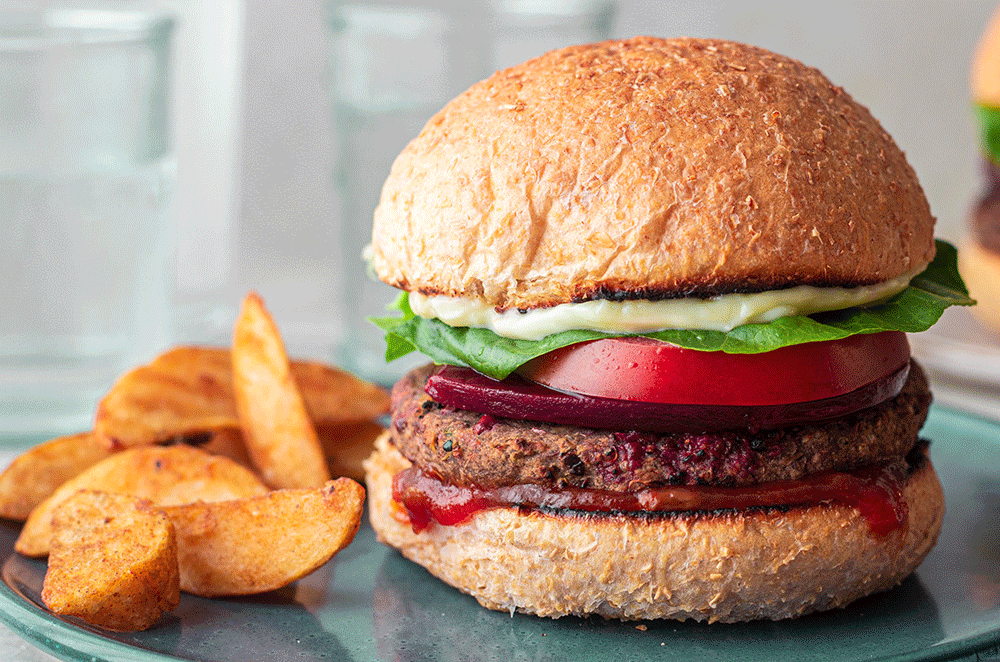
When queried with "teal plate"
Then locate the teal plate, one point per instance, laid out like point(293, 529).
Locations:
point(371, 604)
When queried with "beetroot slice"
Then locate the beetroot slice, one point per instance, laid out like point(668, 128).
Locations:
point(516, 397)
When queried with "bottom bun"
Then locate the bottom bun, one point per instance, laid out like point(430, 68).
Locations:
point(980, 269)
point(725, 567)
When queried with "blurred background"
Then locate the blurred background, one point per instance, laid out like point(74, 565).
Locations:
point(284, 117)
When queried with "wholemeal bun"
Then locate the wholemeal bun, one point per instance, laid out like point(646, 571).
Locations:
point(986, 66)
point(980, 268)
point(645, 169)
point(724, 567)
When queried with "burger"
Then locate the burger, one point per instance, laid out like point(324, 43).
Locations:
point(665, 286)
point(980, 263)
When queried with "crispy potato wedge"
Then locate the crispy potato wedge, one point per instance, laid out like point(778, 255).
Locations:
point(187, 392)
point(184, 392)
point(334, 396)
point(263, 543)
point(113, 562)
point(278, 432)
point(36, 473)
point(166, 475)
point(228, 443)
point(347, 445)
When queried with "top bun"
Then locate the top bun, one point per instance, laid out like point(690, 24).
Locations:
point(986, 66)
point(649, 169)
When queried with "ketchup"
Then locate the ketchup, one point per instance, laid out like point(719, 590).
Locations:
point(877, 492)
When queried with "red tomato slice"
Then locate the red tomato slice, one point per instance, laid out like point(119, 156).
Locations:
point(646, 370)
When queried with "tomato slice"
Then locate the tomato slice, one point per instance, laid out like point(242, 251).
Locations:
point(645, 370)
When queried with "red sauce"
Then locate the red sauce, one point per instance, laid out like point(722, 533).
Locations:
point(875, 491)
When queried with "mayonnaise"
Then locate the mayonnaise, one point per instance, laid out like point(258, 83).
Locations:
point(721, 313)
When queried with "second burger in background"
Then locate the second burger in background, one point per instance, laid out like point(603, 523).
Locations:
point(670, 281)
point(980, 261)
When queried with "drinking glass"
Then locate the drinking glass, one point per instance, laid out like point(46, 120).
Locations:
point(86, 176)
point(523, 29)
point(393, 67)
point(394, 63)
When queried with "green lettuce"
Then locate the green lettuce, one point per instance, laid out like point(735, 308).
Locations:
point(989, 131)
point(914, 309)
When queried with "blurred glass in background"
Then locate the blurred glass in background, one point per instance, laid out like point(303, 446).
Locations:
point(86, 181)
point(393, 65)
point(208, 58)
point(522, 29)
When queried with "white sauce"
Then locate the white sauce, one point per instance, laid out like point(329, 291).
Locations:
point(721, 313)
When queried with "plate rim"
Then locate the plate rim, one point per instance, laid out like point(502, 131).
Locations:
point(75, 642)
point(82, 645)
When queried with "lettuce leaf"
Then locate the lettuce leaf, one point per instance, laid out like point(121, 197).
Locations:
point(989, 131)
point(914, 309)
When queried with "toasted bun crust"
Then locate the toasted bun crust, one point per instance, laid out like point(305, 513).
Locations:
point(986, 66)
point(716, 567)
point(980, 268)
point(649, 168)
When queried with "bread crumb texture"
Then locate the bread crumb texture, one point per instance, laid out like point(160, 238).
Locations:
point(649, 168)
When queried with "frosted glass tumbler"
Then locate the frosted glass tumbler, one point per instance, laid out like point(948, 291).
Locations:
point(393, 67)
point(86, 176)
point(523, 29)
point(394, 64)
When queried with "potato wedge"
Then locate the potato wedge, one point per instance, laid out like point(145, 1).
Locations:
point(228, 443)
point(334, 396)
point(263, 543)
point(166, 475)
point(347, 445)
point(36, 473)
point(113, 562)
point(278, 432)
point(187, 392)
point(184, 392)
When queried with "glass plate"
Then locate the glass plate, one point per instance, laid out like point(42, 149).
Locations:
point(371, 604)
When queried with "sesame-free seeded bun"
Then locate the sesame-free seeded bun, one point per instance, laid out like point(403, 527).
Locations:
point(980, 269)
point(649, 168)
point(986, 66)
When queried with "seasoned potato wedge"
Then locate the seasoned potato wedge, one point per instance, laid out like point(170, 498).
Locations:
point(113, 562)
point(347, 445)
point(188, 392)
point(184, 392)
point(278, 432)
point(228, 443)
point(334, 396)
point(165, 475)
point(36, 473)
point(263, 543)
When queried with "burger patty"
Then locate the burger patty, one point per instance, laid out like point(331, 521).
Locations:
point(986, 221)
point(467, 448)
